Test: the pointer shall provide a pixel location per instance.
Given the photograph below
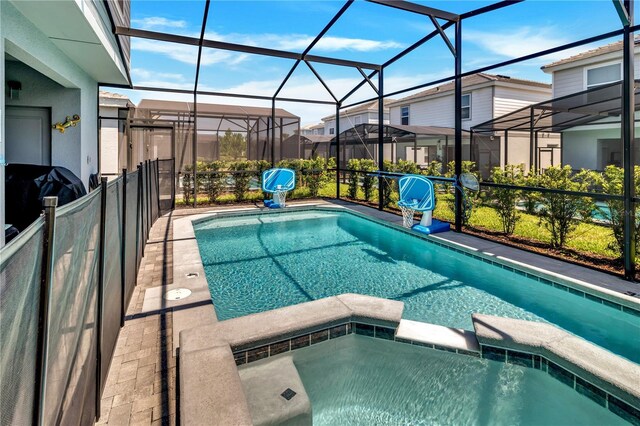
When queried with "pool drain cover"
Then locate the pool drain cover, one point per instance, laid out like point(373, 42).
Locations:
point(288, 394)
point(177, 294)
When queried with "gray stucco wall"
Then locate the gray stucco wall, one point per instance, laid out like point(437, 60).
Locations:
point(67, 89)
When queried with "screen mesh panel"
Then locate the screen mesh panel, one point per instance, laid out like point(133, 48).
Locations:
point(112, 274)
point(70, 386)
point(131, 244)
point(20, 279)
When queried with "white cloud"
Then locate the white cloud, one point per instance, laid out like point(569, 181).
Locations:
point(522, 41)
point(299, 42)
point(188, 54)
point(155, 22)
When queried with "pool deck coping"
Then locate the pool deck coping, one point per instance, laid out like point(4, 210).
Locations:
point(208, 373)
point(209, 376)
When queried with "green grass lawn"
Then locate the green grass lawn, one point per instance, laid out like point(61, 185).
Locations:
point(588, 238)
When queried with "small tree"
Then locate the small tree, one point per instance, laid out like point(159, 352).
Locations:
point(367, 180)
point(232, 145)
point(315, 175)
point(531, 198)
point(353, 164)
point(560, 213)
point(505, 199)
point(214, 181)
point(242, 177)
point(388, 184)
point(434, 169)
point(611, 181)
point(187, 184)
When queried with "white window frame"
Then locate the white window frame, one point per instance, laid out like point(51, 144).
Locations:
point(357, 120)
point(332, 130)
point(408, 114)
point(591, 67)
point(463, 107)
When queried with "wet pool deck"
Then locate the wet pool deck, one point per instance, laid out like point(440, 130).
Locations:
point(141, 384)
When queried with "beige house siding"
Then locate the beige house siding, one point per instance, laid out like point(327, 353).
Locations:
point(440, 111)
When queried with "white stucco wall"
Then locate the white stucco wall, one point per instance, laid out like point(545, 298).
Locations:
point(77, 148)
point(109, 141)
point(580, 147)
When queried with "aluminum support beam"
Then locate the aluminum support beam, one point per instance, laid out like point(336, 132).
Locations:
point(628, 135)
point(233, 47)
point(417, 8)
point(458, 123)
point(380, 138)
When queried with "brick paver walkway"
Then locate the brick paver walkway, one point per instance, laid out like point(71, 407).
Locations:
point(141, 384)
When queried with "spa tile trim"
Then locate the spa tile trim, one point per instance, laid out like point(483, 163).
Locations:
point(584, 387)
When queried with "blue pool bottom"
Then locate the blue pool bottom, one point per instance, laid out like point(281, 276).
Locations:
point(260, 262)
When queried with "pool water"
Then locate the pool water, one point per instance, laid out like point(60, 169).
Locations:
point(357, 380)
point(260, 262)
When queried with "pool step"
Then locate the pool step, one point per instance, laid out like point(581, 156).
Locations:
point(438, 336)
point(275, 393)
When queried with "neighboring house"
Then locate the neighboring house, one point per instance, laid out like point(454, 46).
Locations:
point(54, 54)
point(312, 129)
point(114, 111)
point(596, 144)
point(362, 114)
point(485, 97)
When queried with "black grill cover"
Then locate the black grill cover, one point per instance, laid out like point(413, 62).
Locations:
point(27, 184)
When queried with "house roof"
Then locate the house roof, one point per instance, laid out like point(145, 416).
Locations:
point(469, 81)
point(607, 48)
point(109, 99)
point(313, 126)
point(213, 109)
point(373, 105)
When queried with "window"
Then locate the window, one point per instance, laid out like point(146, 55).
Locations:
point(604, 74)
point(466, 106)
point(404, 115)
point(332, 131)
point(357, 120)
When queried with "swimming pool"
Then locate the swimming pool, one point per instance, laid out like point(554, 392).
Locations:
point(258, 262)
point(357, 380)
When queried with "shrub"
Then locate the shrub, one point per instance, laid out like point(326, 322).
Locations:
point(315, 175)
point(531, 198)
point(612, 181)
point(467, 167)
point(187, 184)
point(214, 180)
point(407, 167)
point(433, 169)
point(368, 180)
point(242, 177)
point(560, 212)
point(388, 184)
point(505, 199)
point(353, 164)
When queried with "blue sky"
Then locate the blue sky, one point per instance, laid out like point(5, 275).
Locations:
point(367, 32)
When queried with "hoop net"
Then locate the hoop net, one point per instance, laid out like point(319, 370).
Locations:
point(407, 216)
point(280, 197)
